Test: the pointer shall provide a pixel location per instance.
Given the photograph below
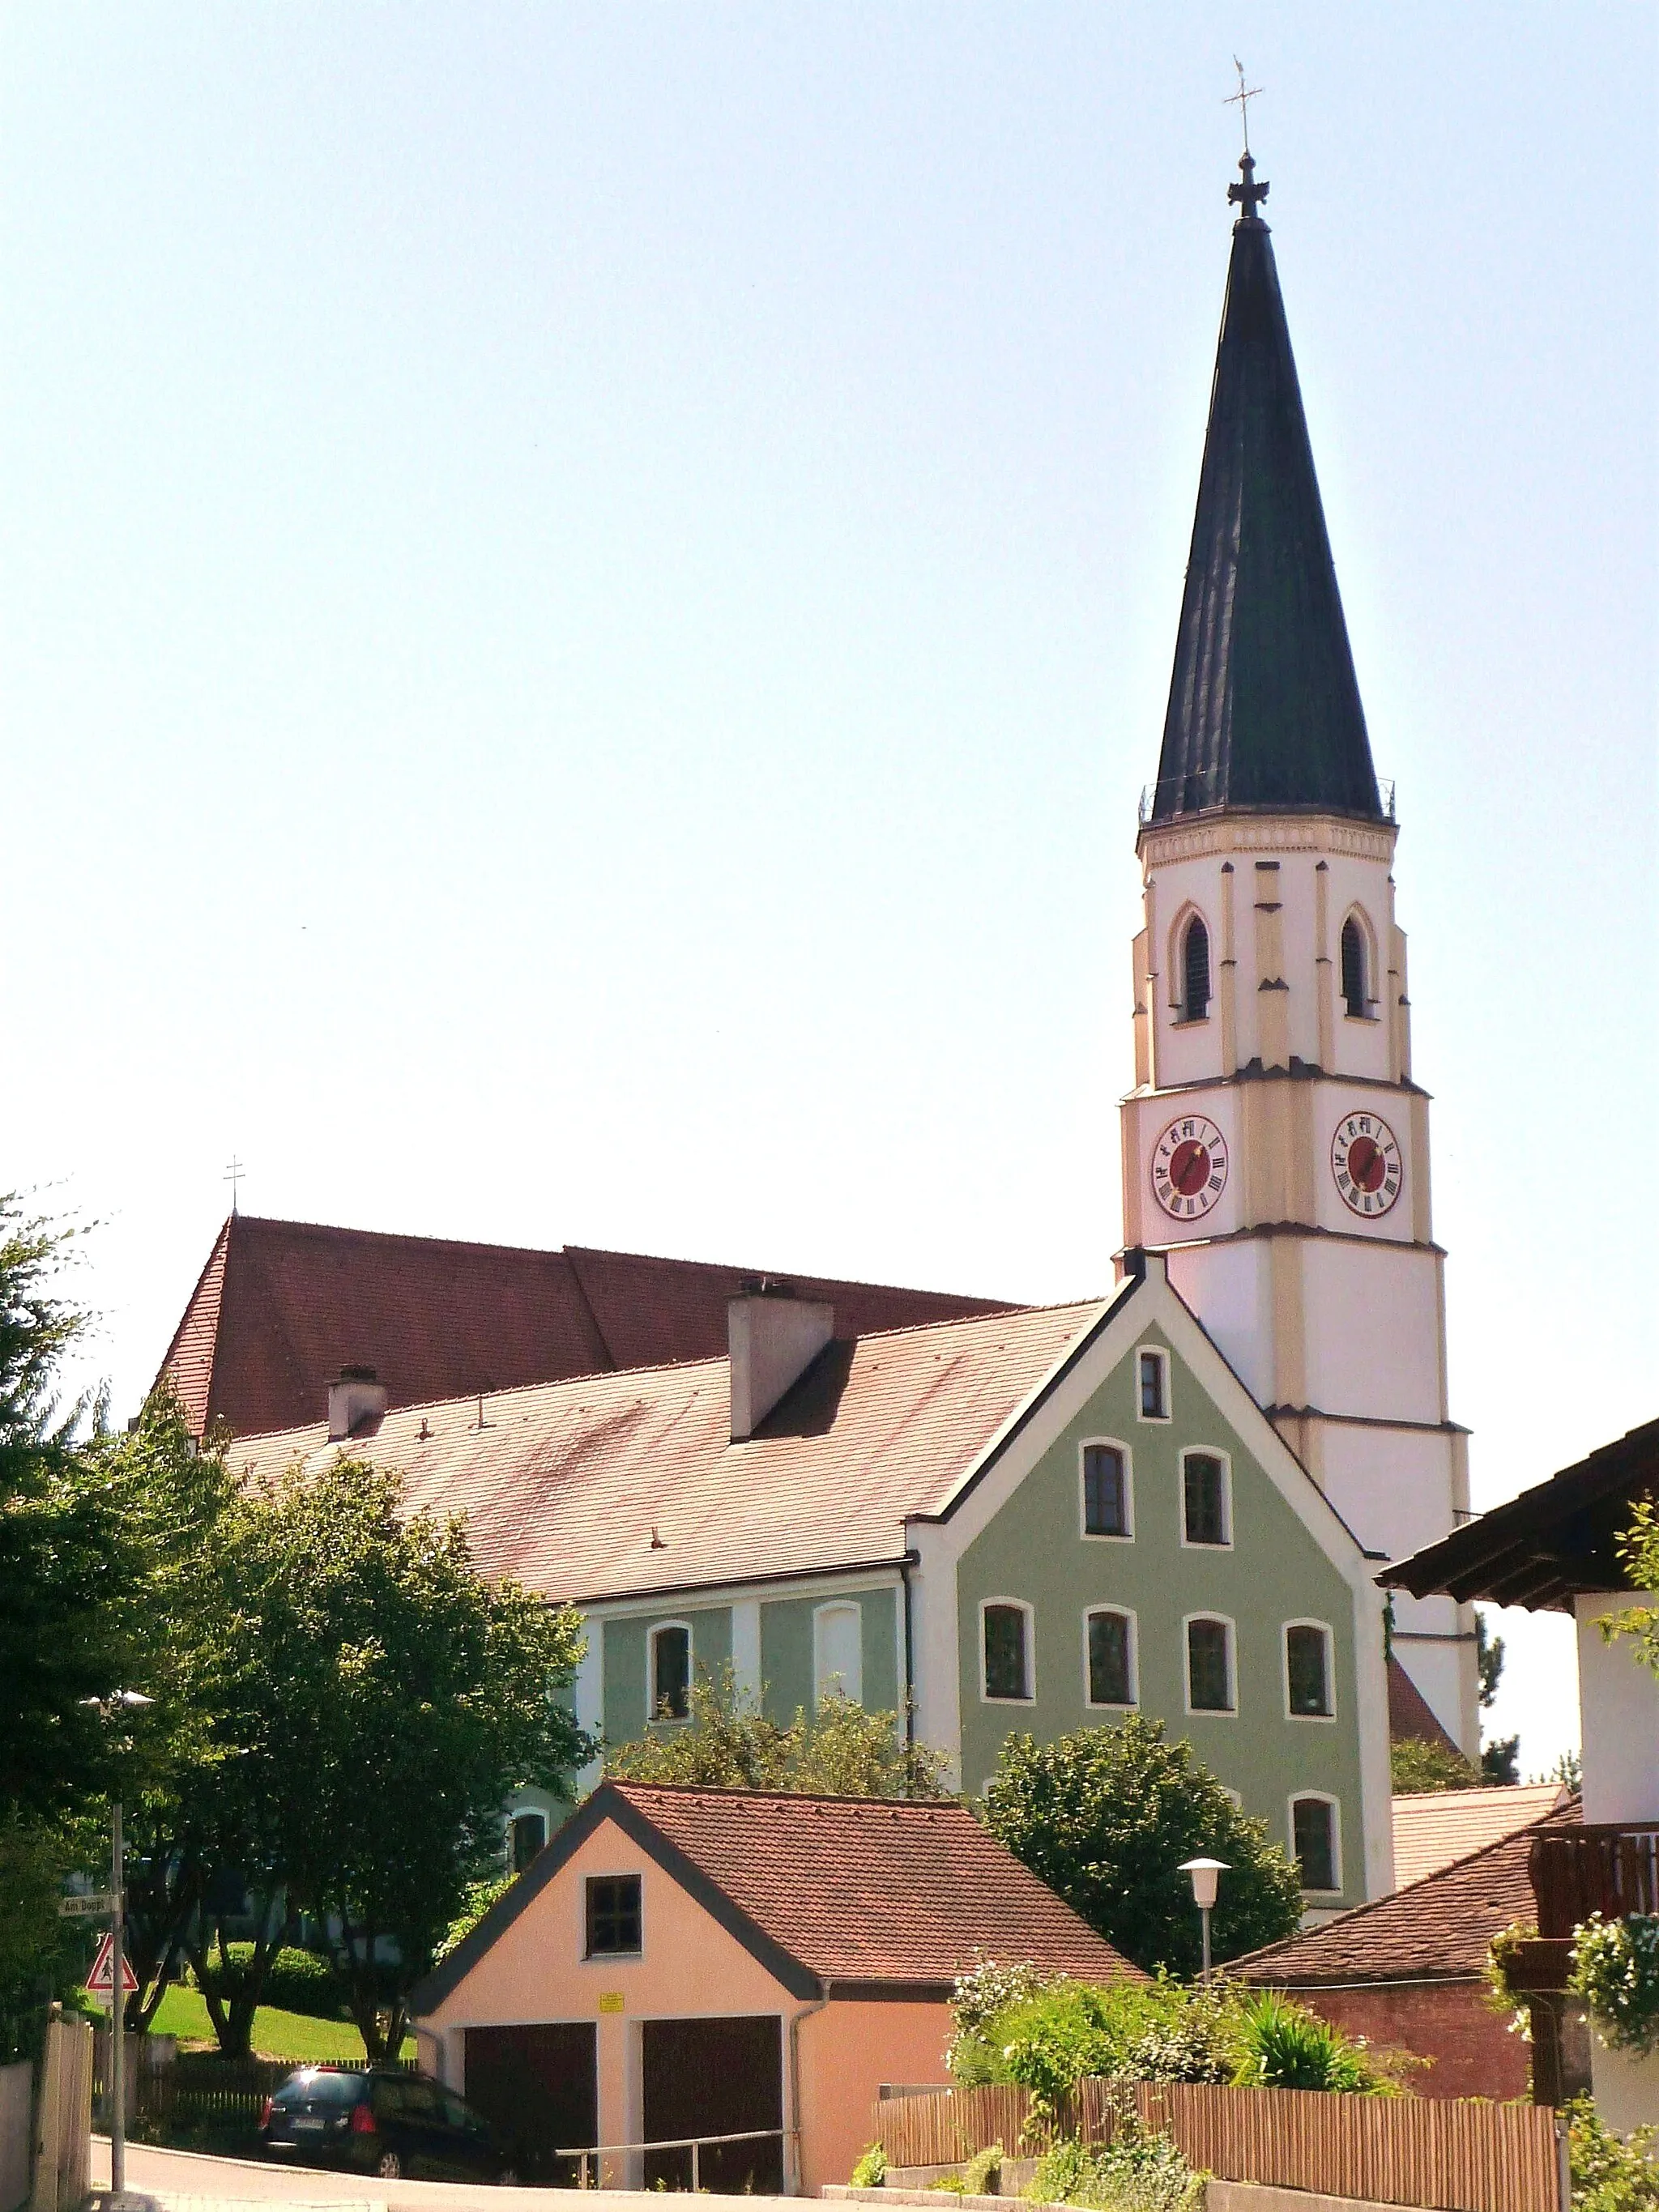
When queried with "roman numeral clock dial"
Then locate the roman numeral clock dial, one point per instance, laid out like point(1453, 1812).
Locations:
point(1189, 1167)
point(1366, 1164)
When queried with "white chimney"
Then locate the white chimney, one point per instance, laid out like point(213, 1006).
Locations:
point(355, 1403)
point(774, 1337)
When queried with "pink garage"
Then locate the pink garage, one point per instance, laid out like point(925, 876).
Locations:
point(699, 1963)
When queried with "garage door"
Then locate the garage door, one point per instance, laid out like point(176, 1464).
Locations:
point(538, 2086)
point(715, 2077)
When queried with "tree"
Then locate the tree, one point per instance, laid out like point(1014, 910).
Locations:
point(1500, 1759)
point(728, 1743)
point(382, 1698)
point(1417, 1765)
point(1637, 1550)
point(1106, 1817)
point(67, 1583)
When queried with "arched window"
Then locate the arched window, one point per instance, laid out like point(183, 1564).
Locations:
point(1354, 978)
point(1316, 1844)
point(1195, 972)
point(838, 1652)
point(528, 1835)
point(1007, 1632)
point(670, 1671)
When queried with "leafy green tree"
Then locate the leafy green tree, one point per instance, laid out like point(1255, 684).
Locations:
point(1637, 1550)
point(381, 1698)
point(727, 1743)
point(1418, 1766)
point(1106, 1818)
point(68, 1615)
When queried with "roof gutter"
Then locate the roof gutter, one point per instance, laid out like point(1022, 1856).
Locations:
point(803, 2012)
point(910, 1560)
point(725, 1582)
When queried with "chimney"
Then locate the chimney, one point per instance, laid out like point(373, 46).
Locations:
point(355, 1403)
point(774, 1337)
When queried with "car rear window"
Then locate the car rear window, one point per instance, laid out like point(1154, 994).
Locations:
point(319, 2089)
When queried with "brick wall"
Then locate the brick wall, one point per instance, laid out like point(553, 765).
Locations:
point(1473, 2052)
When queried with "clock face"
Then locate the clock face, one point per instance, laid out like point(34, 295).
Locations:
point(1366, 1162)
point(1189, 1167)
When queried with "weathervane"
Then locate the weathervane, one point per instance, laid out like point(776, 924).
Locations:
point(1247, 195)
point(1241, 100)
point(232, 1175)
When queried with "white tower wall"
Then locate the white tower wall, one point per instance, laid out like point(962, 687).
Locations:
point(1335, 1319)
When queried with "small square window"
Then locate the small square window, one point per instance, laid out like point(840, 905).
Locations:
point(1308, 1671)
point(1105, 1491)
point(613, 1916)
point(1007, 1665)
point(1204, 1482)
point(1111, 1662)
point(1154, 1386)
point(1313, 1828)
point(1209, 1667)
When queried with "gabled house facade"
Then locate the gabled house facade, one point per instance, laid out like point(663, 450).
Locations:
point(726, 1964)
point(1030, 1521)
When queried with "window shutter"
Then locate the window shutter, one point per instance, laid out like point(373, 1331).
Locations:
point(1196, 980)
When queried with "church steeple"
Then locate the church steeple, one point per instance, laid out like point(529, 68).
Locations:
point(1264, 706)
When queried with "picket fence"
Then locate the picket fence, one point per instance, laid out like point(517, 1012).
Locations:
point(202, 2085)
point(1393, 2150)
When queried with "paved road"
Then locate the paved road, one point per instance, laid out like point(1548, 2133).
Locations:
point(186, 2181)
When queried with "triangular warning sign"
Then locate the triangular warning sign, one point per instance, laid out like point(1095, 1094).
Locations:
point(100, 1980)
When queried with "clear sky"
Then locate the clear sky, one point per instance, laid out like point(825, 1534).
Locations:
point(585, 593)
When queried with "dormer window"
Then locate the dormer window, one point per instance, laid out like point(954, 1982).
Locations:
point(1355, 981)
point(1195, 972)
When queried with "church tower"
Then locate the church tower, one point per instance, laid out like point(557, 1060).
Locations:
point(1276, 1144)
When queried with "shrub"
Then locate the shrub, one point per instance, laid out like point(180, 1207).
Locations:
point(986, 1991)
point(982, 2170)
point(1138, 2171)
point(1616, 1969)
point(296, 1981)
point(870, 2172)
point(1610, 2173)
point(1283, 2046)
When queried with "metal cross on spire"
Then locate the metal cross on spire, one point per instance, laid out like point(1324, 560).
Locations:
point(234, 1173)
point(1241, 100)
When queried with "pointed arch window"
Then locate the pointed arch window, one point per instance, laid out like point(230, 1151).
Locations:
point(1195, 972)
point(1355, 980)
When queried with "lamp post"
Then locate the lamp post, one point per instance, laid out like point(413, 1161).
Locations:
point(119, 1701)
point(1204, 1874)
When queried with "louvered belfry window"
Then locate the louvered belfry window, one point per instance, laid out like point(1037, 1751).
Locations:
point(1353, 968)
point(1195, 980)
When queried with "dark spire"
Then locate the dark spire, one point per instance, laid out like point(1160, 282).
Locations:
point(1264, 706)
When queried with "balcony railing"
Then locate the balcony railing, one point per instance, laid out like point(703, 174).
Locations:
point(1577, 1871)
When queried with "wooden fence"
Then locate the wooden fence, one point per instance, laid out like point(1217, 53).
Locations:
point(1394, 2150)
point(202, 2085)
point(63, 2120)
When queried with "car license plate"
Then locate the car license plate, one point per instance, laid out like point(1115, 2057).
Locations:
point(307, 2124)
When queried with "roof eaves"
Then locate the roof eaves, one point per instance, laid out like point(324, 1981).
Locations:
point(1022, 1414)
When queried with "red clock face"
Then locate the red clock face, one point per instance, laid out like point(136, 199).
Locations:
point(1366, 1162)
point(1189, 1167)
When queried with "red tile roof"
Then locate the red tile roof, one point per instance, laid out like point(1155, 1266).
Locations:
point(1436, 1930)
point(847, 1890)
point(609, 1485)
point(1433, 1827)
point(281, 1306)
point(1410, 1714)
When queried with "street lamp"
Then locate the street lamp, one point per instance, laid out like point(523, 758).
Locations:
point(119, 1701)
point(1205, 1873)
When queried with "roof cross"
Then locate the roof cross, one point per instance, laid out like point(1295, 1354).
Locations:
point(234, 1173)
point(1241, 100)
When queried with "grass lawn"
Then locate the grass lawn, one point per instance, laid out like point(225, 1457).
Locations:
point(184, 2013)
